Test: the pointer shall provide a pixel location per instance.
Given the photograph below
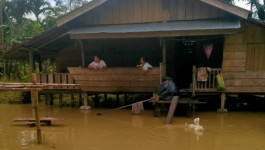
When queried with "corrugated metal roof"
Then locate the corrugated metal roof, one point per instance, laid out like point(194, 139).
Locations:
point(160, 26)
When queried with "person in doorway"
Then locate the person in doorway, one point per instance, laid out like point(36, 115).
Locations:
point(144, 65)
point(97, 63)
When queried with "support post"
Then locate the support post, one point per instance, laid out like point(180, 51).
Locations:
point(85, 106)
point(84, 94)
point(51, 99)
point(60, 99)
point(117, 99)
point(40, 63)
point(34, 96)
point(172, 109)
point(80, 99)
point(82, 53)
point(31, 61)
point(222, 109)
point(125, 99)
point(72, 100)
point(162, 72)
point(164, 47)
point(194, 85)
point(156, 105)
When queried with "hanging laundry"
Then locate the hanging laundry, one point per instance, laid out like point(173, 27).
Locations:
point(202, 74)
point(138, 108)
point(208, 48)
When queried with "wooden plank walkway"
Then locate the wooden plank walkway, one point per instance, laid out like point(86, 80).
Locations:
point(32, 121)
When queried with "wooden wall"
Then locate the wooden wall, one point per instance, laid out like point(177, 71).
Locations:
point(244, 60)
point(136, 11)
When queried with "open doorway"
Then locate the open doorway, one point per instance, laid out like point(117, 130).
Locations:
point(191, 51)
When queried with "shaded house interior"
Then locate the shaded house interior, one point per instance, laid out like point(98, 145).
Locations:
point(182, 54)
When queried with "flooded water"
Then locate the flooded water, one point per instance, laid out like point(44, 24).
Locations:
point(120, 130)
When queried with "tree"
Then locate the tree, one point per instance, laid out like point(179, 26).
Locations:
point(73, 4)
point(38, 7)
point(16, 9)
point(257, 8)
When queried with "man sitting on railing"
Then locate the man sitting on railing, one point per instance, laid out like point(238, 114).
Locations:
point(97, 63)
point(144, 65)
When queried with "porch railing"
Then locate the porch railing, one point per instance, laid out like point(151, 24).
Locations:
point(56, 78)
point(205, 86)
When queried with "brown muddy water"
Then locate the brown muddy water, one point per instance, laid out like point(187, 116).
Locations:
point(120, 130)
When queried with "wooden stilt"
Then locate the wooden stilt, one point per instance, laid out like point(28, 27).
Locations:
point(222, 109)
point(125, 99)
point(84, 95)
point(60, 99)
point(32, 104)
point(51, 99)
point(157, 110)
point(36, 107)
point(34, 99)
point(172, 109)
point(96, 100)
point(72, 100)
point(85, 106)
point(80, 99)
point(46, 99)
point(106, 100)
point(117, 99)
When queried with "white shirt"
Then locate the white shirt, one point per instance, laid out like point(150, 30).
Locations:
point(146, 66)
point(98, 65)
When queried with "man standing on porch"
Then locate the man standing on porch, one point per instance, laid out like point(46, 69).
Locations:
point(97, 63)
point(144, 65)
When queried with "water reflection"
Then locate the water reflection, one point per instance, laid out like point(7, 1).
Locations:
point(26, 138)
point(123, 130)
point(137, 121)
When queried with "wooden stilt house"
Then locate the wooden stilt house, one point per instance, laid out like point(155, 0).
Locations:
point(176, 33)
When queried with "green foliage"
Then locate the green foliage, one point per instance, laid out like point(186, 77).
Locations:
point(261, 13)
point(11, 97)
point(14, 71)
point(73, 4)
point(32, 29)
point(48, 66)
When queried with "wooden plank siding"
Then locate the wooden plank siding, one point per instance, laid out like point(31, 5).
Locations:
point(139, 11)
point(55, 78)
point(244, 60)
point(116, 79)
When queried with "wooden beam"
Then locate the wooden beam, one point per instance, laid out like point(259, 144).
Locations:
point(154, 34)
point(82, 52)
point(228, 7)
point(31, 61)
point(172, 109)
point(164, 49)
point(194, 81)
point(79, 11)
